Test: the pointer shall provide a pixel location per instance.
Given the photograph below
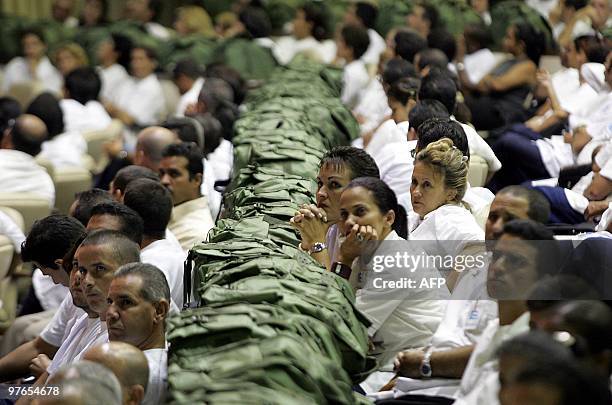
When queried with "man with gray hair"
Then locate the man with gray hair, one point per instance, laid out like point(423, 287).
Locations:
point(129, 365)
point(84, 383)
point(138, 304)
point(149, 145)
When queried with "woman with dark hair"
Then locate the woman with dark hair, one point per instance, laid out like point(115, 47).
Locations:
point(498, 99)
point(309, 36)
point(372, 225)
point(94, 13)
point(318, 224)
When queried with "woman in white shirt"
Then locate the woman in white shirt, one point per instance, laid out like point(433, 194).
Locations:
point(308, 37)
point(372, 224)
point(439, 183)
point(317, 224)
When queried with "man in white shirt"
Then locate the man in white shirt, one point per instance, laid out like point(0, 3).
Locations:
point(510, 284)
point(34, 66)
point(140, 101)
point(19, 172)
point(352, 45)
point(49, 240)
point(181, 171)
point(80, 106)
point(363, 14)
point(113, 54)
point(153, 202)
point(145, 12)
point(188, 79)
point(142, 322)
point(98, 257)
point(150, 143)
point(128, 364)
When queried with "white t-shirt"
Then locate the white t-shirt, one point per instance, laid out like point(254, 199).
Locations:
point(169, 258)
point(402, 318)
point(396, 165)
point(208, 188)
point(354, 79)
point(190, 97)
point(19, 173)
point(143, 99)
point(81, 118)
point(112, 78)
point(480, 382)
point(376, 47)
point(86, 332)
point(158, 376)
point(60, 325)
point(49, 294)
point(18, 71)
point(373, 106)
point(565, 83)
point(157, 30)
point(387, 133)
point(288, 47)
point(479, 64)
point(65, 150)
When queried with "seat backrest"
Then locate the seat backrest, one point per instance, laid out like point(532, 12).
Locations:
point(6, 255)
point(96, 140)
point(25, 92)
point(31, 206)
point(69, 181)
point(477, 172)
point(15, 216)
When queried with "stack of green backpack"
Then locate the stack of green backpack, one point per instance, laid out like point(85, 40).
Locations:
point(271, 325)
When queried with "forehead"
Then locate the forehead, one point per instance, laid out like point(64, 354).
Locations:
point(104, 221)
point(175, 162)
point(356, 195)
point(128, 285)
point(424, 170)
point(92, 254)
point(514, 244)
point(508, 202)
point(330, 169)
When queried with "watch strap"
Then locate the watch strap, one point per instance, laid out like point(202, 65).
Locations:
point(342, 270)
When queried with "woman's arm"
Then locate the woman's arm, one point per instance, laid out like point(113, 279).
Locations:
point(523, 73)
point(312, 224)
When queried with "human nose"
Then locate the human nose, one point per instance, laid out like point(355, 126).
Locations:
point(112, 313)
point(165, 179)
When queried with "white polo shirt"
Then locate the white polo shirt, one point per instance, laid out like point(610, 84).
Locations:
point(169, 258)
point(78, 117)
point(158, 376)
point(143, 99)
point(112, 78)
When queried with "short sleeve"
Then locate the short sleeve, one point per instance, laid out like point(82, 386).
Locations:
point(55, 330)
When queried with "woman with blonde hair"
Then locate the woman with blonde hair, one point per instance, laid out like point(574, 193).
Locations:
point(68, 57)
point(193, 20)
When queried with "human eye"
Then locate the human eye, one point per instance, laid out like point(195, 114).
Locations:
point(319, 183)
point(343, 214)
point(426, 184)
point(335, 185)
point(361, 211)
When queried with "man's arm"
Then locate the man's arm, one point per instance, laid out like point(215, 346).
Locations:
point(445, 364)
point(16, 364)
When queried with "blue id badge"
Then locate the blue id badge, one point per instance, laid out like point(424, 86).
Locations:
point(473, 320)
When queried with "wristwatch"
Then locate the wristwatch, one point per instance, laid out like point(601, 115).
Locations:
point(342, 270)
point(317, 247)
point(425, 368)
point(460, 66)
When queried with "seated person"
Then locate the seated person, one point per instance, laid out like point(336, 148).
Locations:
point(364, 14)
point(369, 212)
point(153, 202)
point(61, 149)
point(497, 100)
point(82, 110)
point(430, 58)
point(84, 203)
point(68, 57)
point(318, 224)
point(352, 44)
point(142, 324)
point(125, 176)
point(308, 36)
point(19, 172)
point(373, 109)
point(474, 58)
point(33, 66)
point(113, 55)
point(188, 79)
point(129, 365)
point(439, 86)
point(98, 257)
point(182, 172)
point(140, 101)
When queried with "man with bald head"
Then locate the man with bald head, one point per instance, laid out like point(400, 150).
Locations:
point(150, 143)
point(128, 363)
point(138, 303)
point(19, 172)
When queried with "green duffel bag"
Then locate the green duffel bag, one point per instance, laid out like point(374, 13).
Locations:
point(507, 12)
point(281, 362)
point(195, 46)
point(251, 60)
point(254, 174)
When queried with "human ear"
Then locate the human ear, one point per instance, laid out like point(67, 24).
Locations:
point(136, 394)
point(451, 195)
point(161, 310)
point(390, 218)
